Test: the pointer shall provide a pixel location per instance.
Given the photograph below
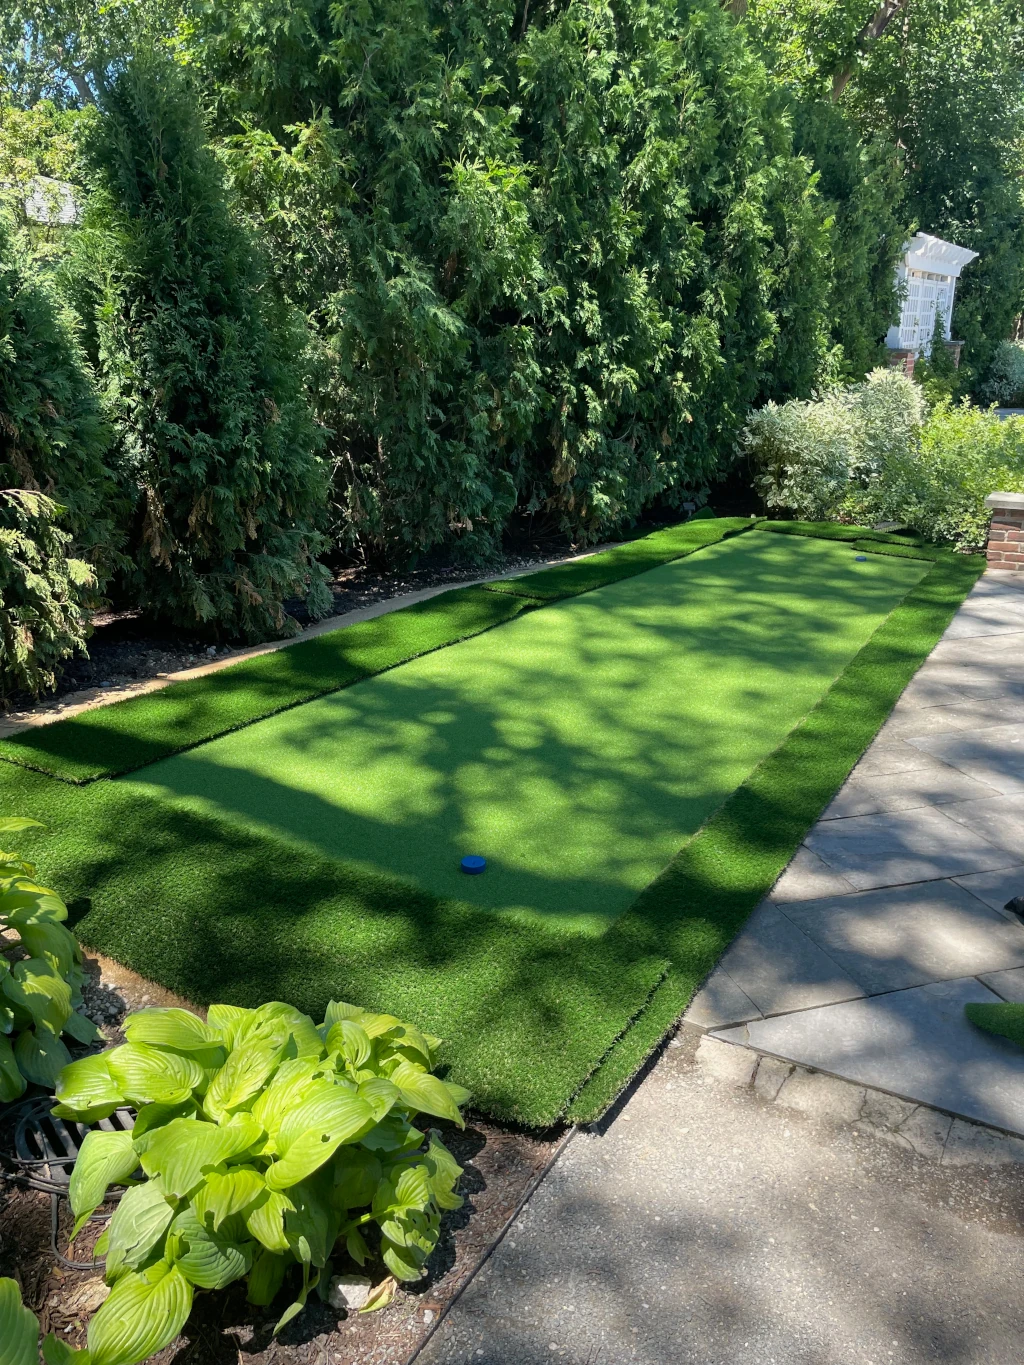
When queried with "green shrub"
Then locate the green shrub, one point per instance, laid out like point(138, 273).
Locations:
point(870, 453)
point(809, 457)
point(43, 618)
point(265, 1141)
point(53, 438)
point(41, 975)
point(202, 372)
point(1004, 384)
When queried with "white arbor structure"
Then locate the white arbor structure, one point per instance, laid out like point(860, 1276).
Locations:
point(930, 269)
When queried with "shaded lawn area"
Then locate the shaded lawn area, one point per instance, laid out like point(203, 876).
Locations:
point(309, 856)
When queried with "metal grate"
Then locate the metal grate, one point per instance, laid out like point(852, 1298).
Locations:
point(45, 1149)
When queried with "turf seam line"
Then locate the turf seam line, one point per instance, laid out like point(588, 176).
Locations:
point(609, 566)
point(927, 609)
point(530, 603)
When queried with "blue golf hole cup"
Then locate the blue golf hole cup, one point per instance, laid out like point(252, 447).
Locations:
point(473, 864)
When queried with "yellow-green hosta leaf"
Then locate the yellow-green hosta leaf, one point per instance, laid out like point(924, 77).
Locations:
point(104, 1159)
point(86, 1090)
point(247, 1069)
point(266, 1220)
point(306, 1041)
point(314, 1130)
point(350, 1041)
point(51, 942)
point(144, 1312)
point(24, 901)
point(229, 1021)
point(14, 824)
point(177, 1029)
point(405, 1037)
point(336, 1010)
point(183, 1151)
point(224, 1194)
point(311, 1226)
point(140, 1220)
point(357, 1174)
point(41, 1056)
point(147, 1075)
point(12, 1082)
point(57, 1352)
point(376, 1025)
point(34, 986)
point(290, 1083)
point(380, 1296)
point(19, 1331)
point(381, 1095)
point(444, 1172)
point(210, 1261)
point(425, 1093)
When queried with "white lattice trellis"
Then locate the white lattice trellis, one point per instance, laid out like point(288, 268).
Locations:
point(930, 269)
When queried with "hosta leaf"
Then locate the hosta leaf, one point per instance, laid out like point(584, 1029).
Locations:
point(104, 1159)
point(57, 1352)
point(12, 1082)
point(381, 1095)
point(357, 1173)
point(355, 1245)
point(306, 1041)
point(138, 1225)
point(404, 1262)
point(41, 1056)
point(183, 1151)
point(336, 1010)
point(309, 1226)
point(247, 1069)
point(393, 1134)
point(294, 1309)
point(444, 1172)
point(266, 1278)
point(143, 1313)
point(80, 1028)
point(222, 1195)
point(290, 1083)
point(350, 1041)
point(51, 943)
point(229, 1021)
point(147, 1075)
point(86, 1090)
point(34, 986)
point(14, 824)
point(380, 1296)
point(378, 1024)
point(425, 1093)
point(266, 1220)
point(214, 1263)
point(405, 1036)
point(177, 1029)
point(314, 1130)
point(19, 1331)
point(25, 902)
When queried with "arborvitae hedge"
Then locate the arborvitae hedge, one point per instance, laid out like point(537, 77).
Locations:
point(551, 253)
point(201, 370)
point(53, 438)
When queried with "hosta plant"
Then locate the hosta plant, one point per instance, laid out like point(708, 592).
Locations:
point(261, 1144)
point(41, 975)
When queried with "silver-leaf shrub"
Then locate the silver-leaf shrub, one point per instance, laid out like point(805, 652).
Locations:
point(261, 1142)
point(41, 976)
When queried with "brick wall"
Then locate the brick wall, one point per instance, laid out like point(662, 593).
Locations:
point(1006, 537)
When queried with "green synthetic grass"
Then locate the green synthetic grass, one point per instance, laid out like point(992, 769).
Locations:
point(704, 896)
point(127, 735)
point(540, 1018)
point(1004, 1020)
point(576, 748)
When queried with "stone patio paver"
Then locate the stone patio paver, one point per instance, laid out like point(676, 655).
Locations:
point(917, 1044)
point(907, 900)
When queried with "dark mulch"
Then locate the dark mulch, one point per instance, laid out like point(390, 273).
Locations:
point(501, 1166)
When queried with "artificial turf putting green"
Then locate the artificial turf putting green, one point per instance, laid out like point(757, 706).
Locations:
point(541, 1018)
point(576, 748)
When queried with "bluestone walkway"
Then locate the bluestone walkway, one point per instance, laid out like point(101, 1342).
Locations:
point(890, 917)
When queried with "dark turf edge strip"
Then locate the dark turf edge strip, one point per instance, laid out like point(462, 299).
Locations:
point(125, 736)
point(699, 903)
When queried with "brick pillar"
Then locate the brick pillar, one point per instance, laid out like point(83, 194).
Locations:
point(1006, 538)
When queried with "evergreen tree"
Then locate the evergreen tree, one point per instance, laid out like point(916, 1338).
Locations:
point(201, 371)
point(53, 438)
